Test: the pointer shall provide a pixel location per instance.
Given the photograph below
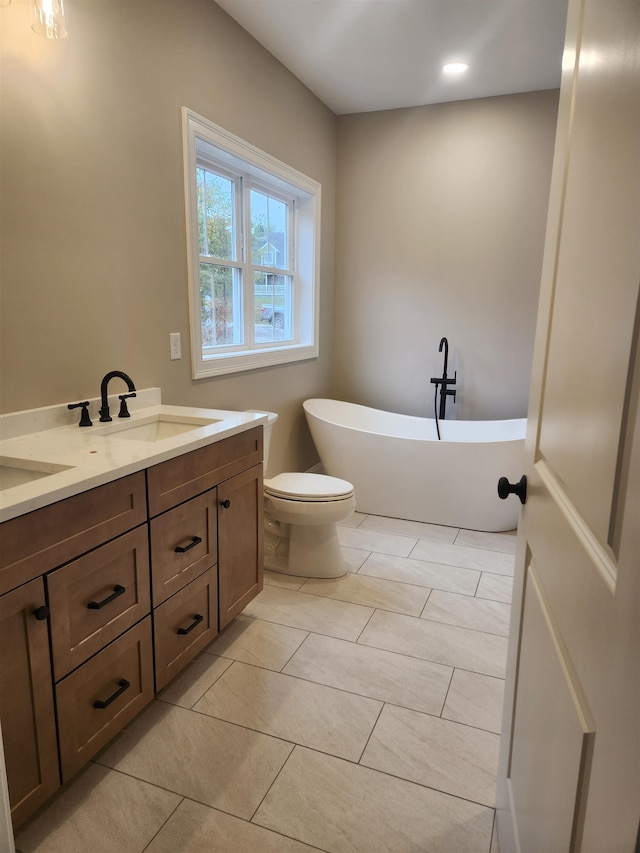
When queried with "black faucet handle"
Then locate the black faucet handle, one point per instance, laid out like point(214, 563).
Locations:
point(85, 420)
point(124, 412)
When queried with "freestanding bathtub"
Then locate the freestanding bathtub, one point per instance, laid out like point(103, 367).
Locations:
point(400, 469)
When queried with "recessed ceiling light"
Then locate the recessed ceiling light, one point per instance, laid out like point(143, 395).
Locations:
point(455, 68)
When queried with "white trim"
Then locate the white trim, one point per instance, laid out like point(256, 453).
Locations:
point(304, 234)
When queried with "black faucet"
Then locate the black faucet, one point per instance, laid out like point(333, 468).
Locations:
point(444, 381)
point(104, 411)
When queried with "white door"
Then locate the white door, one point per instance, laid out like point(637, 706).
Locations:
point(569, 776)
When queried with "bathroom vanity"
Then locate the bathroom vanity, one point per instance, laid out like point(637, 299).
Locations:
point(107, 594)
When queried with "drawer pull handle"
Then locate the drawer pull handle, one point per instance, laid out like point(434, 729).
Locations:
point(123, 684)
point(181, 549)
point(197, 619)
point(226, 503)
point(98, 605)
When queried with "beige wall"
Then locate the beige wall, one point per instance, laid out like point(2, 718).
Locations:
point(440, 226)
point(93, 258)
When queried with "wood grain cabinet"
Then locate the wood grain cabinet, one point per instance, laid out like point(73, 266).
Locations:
point(26, 700)
point(107, 595)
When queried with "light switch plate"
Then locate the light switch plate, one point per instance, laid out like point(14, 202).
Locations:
point(176, 346)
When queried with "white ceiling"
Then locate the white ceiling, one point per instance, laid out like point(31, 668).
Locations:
point(363, 55)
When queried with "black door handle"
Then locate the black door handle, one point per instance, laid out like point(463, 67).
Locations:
point(182, 549)
point(505, 488)
point(123, 684)
point(197, 619)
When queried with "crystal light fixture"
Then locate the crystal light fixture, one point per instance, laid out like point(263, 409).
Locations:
point(48, 19)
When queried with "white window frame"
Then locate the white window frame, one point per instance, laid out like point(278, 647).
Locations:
point(262, 171)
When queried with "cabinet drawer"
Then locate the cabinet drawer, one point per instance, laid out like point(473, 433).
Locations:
point(41, 540)
point(119, 680)
point(96, 598)
point(183, 545)
point(179, 479)
point(184, 625)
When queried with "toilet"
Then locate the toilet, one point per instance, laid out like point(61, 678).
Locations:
point(301, 512)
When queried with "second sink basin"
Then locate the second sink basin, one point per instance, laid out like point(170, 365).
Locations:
point(156, 427)
point(17, 472)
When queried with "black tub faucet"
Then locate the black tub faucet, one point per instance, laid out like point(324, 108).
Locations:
point(444, 381)
point(104, 410)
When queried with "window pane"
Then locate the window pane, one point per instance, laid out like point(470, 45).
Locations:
point(269, 231)
point(273, 307)
point(215, 214)
point(220, 305)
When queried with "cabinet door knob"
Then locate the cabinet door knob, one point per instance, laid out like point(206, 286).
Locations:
point(226, 504)
point(41, 612)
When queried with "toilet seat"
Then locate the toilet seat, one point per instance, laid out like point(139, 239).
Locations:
point(308, 487)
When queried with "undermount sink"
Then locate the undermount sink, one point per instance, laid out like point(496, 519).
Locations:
point(17, 472)
point(157, 427)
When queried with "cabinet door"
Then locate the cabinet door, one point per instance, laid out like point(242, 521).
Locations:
point(26, 702)
point(240, 553)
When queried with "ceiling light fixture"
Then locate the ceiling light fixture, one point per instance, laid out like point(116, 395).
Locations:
point(453, 68)
point(48, 19)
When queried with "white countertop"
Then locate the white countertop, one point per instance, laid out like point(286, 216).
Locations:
point(50, 437)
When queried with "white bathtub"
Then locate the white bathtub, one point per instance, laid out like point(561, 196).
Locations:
point(400, 469)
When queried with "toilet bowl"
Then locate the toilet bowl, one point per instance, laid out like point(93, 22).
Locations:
point(301, 513)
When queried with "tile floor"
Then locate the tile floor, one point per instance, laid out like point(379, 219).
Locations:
point(357, 714)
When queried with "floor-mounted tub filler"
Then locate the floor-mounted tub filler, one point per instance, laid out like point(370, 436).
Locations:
point(400, 469)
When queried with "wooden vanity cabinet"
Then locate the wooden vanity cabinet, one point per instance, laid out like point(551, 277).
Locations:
point(26, 701)
point(138, 575)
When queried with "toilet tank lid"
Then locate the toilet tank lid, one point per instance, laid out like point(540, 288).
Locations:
point(308, 486)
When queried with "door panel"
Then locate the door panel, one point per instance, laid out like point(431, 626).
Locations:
point(569, 777)
point(552, 733)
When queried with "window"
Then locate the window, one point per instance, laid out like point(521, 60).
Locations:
point(253, 247)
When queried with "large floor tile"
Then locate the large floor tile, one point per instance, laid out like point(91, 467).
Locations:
point(345, 808)
point(194, 681)
point(194, 828)
point(383, 675)
point(464, 557)
point(413, 529)
point(371, 592)
point(370, 540)
point(468, 612)
point(208, 760)
point(100, 811)
point(446, 644)
point(296, 710)
point(254, 641)
point(475, 700)
point(505, 542)
point(309, 612)
point(495, 587)
point(354, 557)
point(447, 756)
point(421, 573)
